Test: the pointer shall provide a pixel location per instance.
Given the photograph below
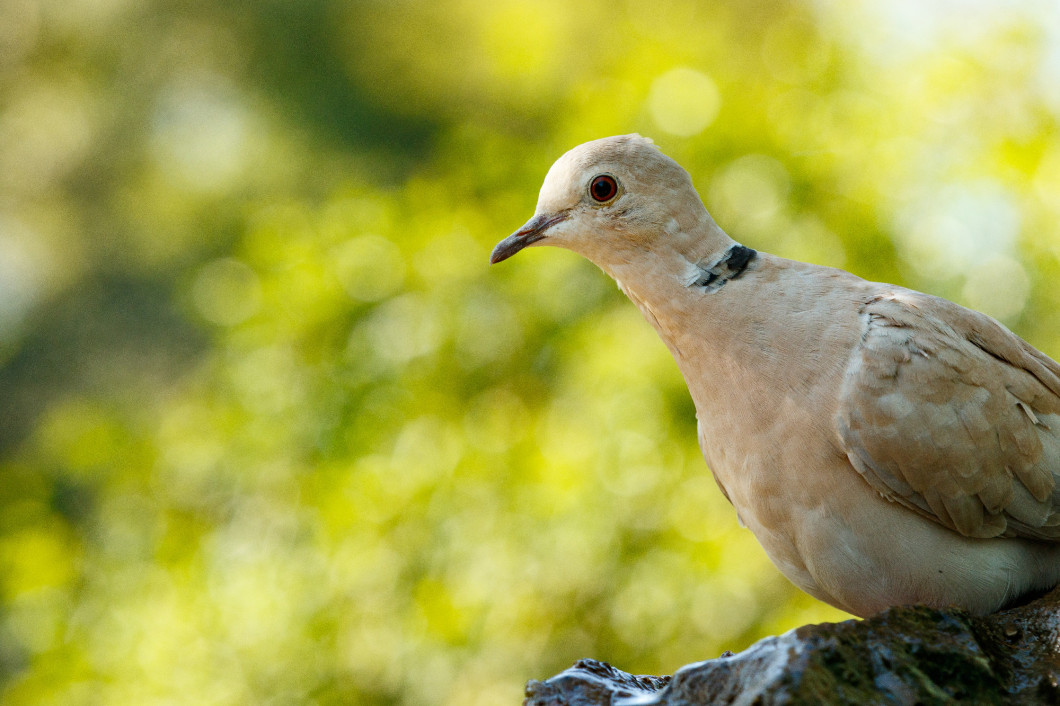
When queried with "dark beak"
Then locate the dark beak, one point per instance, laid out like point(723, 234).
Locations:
point(533, 231)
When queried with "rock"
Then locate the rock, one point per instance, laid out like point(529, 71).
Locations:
point(904, 655)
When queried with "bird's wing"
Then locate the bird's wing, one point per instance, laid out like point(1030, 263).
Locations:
point(951, 414)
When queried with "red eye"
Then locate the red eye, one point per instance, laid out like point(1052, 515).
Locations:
point(603, 188)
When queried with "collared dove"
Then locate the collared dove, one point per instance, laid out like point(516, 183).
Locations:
point(885, 446)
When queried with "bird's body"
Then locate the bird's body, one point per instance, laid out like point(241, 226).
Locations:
point(768, 390)
point(884, 446)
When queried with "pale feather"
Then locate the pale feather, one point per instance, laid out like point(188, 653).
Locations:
point(948, 412)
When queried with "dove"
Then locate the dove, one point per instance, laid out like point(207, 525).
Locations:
point(885, 446)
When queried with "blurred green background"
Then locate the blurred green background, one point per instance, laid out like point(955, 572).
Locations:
point(271, 430)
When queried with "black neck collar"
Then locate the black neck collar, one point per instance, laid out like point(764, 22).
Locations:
point(731, 265)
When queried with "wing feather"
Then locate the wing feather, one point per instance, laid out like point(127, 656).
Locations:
point(948, 412)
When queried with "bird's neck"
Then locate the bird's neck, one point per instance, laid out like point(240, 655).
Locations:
point(752, 331)
point(706, 310)
point(669, 285)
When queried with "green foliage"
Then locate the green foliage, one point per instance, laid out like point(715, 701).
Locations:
point(271, 431)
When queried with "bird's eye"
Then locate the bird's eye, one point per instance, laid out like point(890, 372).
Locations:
point(603, 188)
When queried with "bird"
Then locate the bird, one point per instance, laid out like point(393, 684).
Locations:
point(885, 446)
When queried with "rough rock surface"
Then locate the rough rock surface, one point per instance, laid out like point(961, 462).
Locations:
point(905, 655)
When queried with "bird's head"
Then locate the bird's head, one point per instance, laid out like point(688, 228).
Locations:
point(612, 200)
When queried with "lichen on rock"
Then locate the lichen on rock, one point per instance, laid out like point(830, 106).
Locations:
point(904, 655)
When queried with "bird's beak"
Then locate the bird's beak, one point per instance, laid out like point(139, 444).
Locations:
point(530, 233)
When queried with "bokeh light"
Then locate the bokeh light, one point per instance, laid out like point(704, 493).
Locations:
point(683, 101)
